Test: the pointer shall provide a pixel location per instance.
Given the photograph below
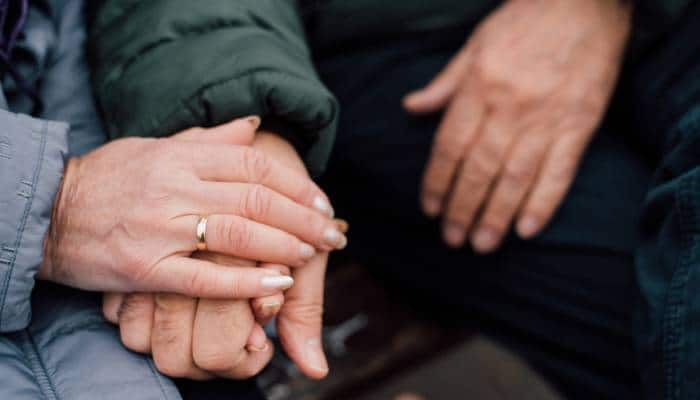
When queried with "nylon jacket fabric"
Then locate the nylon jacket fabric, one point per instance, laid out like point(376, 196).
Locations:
point(54, 342)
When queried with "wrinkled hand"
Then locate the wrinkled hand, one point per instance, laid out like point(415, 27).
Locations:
point(194, 338)
point(126, 216)
point(523, 99)
point(232, 345)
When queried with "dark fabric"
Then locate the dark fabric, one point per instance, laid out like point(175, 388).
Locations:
point(663, 96)
point(219, 389)
point(565, 300)
point(181, 64)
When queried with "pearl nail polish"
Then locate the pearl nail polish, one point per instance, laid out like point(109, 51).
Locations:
point(277, 282)
point(321, 205)
point(334, 238)
point(306, 251)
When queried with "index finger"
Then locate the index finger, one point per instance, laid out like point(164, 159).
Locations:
point(455, 133)
point(229, 163)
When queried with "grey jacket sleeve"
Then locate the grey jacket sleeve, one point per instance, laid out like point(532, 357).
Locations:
point(32, 154)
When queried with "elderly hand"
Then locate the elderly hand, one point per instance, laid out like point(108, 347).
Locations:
point(523, 97)
point(125, 218)
point(194, 338)
point(200, 339)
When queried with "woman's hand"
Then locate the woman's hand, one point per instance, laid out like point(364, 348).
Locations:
point(523, 98)
point(210, 346)
point(125, 218)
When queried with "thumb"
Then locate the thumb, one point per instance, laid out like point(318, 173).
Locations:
point(240, 131)
point(300, 319)
point(440, 90)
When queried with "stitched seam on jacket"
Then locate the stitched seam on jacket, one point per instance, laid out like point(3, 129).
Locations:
point(676, 308)
point(23, 221)
point(38, 367)
point(157, 376)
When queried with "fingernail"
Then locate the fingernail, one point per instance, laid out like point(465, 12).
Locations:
point(277, 282)
point(454, 234)
point(334, 238)
point(314, 355)
point(410, 99)
point(320, 204)
point(306, 252)
point(528, 227)
point(255, 349)
point(270, 309)
point(254, 120)
point(431, 206)
point(484, 240)
point(342, 225)
point(257, 341)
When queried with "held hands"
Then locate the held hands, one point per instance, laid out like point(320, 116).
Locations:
point(203, 338)
point(194, 338)
point(523, 99)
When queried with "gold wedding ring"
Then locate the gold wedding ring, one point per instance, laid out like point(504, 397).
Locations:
point(202, 233)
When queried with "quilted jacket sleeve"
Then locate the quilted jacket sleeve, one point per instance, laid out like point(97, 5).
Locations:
point(165, 65)
point(32, 153)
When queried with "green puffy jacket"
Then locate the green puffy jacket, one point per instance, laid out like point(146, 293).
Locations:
point(161, 66)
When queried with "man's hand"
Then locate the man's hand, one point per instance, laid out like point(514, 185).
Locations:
point(126, 216)
point(523, 99)
point(300, 319)
point(193, 338)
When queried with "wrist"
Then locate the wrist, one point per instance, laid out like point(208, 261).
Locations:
point(66, 190)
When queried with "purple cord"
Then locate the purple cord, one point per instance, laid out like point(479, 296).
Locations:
point(7, 45)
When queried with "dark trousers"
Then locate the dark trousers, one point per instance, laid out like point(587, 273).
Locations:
point(567, 300)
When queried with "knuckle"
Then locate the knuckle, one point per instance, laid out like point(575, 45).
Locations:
point(478, 170)
point(237, 235)
point(307, 190)
point(257, 202)
point(214, 358)
point(168, 303)
point(491, 72)
point(516, 175)
point(257, 165)
point(447, 149)
point(236, 287)
point(308, 313)
point(134, 266)
point(135, 307)
point(198, 283)
point(565, 172)
point(137, 343)
point(170, 367)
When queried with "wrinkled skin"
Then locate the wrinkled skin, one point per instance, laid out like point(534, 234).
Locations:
point(126, 215)
point(522, 100)
point(202, 338)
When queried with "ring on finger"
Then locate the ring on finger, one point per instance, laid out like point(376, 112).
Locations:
point(202, 233)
